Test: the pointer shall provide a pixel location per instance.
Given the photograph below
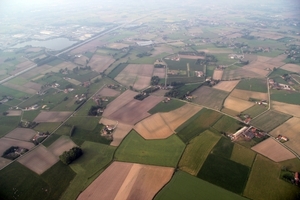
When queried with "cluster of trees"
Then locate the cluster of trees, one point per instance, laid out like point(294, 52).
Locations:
point(159, 66)
point(155, 80)
point(45, 60)
point(95, 110)
point(141, 96)
point(151, 89)
point(144, 54)
point(69, 156)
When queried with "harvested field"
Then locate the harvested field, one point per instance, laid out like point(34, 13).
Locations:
point(6, 143)
point(20, 88)
point(117, 45)
point(290, 129)
point(136, 75)
point(277, 61)
point(273, 150)
point(263, 58)
point(270, 120)
point(119, 133)
point(60, 66)
point(259, 68)
point(160, 72)
point(246, 95)
point(38, 160)
point(61, 145)
point(25, 134)
point(22, 66)
point(119, 102)
point(236, 104)
point(209, 97)
point(90, 46)
point(191, 57)
point(239, 73)
point(13, 113)
point(73, 81)
point(107, 92)
point(226, 86)
point(289, 109)
point(291, 67)
point(34, 86)
point(160, 50)
point(135, 110)
point(100, 63)
point(52, 116)
point(81, 60)
point(134, 181)
point(218, 74)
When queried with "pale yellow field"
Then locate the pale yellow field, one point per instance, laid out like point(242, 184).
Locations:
point(291, 67)
point(273, 150)
point(245, 95)
point(117, 45)
point(226, 86)
point(289, 109)
point(218, 74)
point(128, 181)
point(291, 130)
point(237, 104)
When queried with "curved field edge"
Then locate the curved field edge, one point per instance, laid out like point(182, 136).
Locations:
point(186, 186)
point(197, 151)
point(164, 152)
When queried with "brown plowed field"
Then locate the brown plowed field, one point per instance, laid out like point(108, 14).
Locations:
point(60, 145)
point(100, 63)
point(259, 68)
point(160, 72)
point(226, 86)
point(34, 86)
point(133, 181)
point(290, 129)
point(119, 102)
point(273, 150)
point(263, 58)
point(289, 109)
point(162, 125)
point(135, 110)
point(119, 133)
point(277, 61)
point(237, 104)
point(38, 160)
point(90, 46)
point(52, 116)
point(25, 134)
point(245, 95)
point(291, 67)
point(142, 82)
point(6, 143)
point(107, 92)
point(14, 113)
point(218, 74)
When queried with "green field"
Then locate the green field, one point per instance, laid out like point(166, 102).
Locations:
point(185, 186)
point(55, 62)
point(181, 65)
point(155, 152)
point(87, 123)
point(197, 124)
point(114, 73)
point(88, 167)
point(253, 84)
point(227, 124)
point(7, 124)
point(223, 148)
point(255, 110)
point(47, 126)
point(18, 182)
point(197, 151)
point(225, 173)
point(242, 155)
point(52, 138)
point(278, 72)
point(30, 115)
point(167, 107)
point(264, 182)
point(270, 120)
point(286, 96)
point(11, 92)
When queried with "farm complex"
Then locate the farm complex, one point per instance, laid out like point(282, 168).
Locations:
point(146, 100)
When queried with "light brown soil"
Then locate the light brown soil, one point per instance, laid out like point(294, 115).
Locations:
point(239, 73)
point(119, 133)
point(218, 74)
point(273, 150)
point(107, 92)
point(135, 110)
point(52, 116)
point(160, 72)
point(25, 134)
point(81, 60)
point(245, 95)
point(142, 82)
point(34, 86)
point(237, 104)
point(61, 145)
point(14, 113)
point(289, 109)
point(38, 160)
point(290, 129)
point(134, 181)
point(291, 67)
point(90, 46)
point(226, 86)
point(100, 63)
point(6, 143)
point(117, 45)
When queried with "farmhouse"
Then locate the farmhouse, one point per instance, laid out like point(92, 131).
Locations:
point(239, 132)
